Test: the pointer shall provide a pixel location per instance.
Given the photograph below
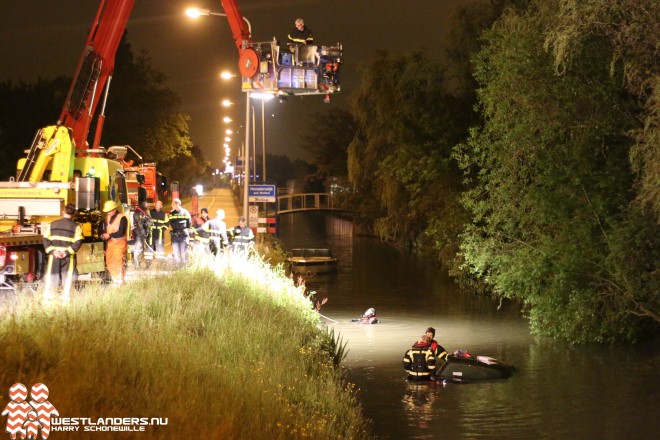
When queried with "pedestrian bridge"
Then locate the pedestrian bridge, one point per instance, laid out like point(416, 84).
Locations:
point(290, 203)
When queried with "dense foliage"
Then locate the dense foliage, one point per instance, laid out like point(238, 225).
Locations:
point(328, 139)
point(142, 112)
point(399, 160)
point(554, 220)
point(558, 202)
point(24, 108)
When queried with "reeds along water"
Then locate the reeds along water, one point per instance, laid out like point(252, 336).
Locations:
point(222, 349)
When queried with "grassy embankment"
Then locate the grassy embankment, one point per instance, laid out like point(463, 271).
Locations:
point(232, 352)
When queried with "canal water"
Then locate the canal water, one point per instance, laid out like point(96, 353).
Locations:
point(557, 391)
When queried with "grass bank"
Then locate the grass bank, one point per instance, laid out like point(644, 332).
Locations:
point(230, 351)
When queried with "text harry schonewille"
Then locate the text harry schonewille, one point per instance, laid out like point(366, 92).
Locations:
point(105, 424)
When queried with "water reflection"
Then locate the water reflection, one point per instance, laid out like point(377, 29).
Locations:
point(418, 405)
point(557, 391)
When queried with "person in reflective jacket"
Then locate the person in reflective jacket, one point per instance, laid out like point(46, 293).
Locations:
point(301, 34)
point(180, 222)
point(216, 230)
point(114, 231)
point(438, 350)
point(160, 222)
point(62, 239)
point(200, 237)
point(242, 236)
point(419, 361)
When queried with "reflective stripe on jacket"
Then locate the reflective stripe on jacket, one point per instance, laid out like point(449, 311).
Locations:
point(419, 362)
point(217, 231)
point(63, 235)
point(161, 221)
point(179, 222)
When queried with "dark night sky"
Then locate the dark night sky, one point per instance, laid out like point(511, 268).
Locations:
point(44, 38)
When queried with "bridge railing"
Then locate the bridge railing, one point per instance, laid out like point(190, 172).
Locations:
point(305, 202)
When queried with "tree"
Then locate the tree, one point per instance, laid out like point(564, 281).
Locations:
point(24, 108)
point(400, 160)
point(328, 139)
point(142, 111)
point(552, 184)
point(189, 170)
point(630, 28)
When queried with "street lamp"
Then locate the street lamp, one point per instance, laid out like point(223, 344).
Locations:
point(195, 13)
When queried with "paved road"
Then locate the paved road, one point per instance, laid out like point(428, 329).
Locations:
point(220, 198)
point(213, 200)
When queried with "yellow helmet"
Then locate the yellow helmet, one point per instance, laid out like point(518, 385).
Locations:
point(109, 206)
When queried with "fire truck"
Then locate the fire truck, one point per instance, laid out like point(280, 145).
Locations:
point(61, 167)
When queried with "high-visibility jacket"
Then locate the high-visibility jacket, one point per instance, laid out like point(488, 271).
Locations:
point(438, 350)
point(241, 237)
point(115, 252)
point(180, 222)
point(303, 36)
point(117, 227)
point(217, 232)
point(63, 235)
point(159, 227)
point(419, 362)
point(200, 234)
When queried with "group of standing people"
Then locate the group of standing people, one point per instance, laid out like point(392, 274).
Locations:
point(213, 236)
point(63, 237)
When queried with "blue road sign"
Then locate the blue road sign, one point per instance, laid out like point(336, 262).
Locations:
point(260, 193)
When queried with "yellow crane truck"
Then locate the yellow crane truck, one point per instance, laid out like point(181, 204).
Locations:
point(61, 167)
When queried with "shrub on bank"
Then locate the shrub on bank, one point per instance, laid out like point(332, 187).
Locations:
point(227, 350)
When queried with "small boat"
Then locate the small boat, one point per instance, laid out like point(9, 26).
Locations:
point(312, 261)
point(464, 369)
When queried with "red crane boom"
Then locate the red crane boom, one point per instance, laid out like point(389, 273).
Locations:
point(95, 70)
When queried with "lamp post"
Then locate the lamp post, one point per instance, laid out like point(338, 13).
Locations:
point(263, 142)
point(196, 13)
point(263, 97)
point(246, 165)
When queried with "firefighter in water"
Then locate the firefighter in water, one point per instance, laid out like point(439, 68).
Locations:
point(62, 239)
point(114, 231)
point(419, 361)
